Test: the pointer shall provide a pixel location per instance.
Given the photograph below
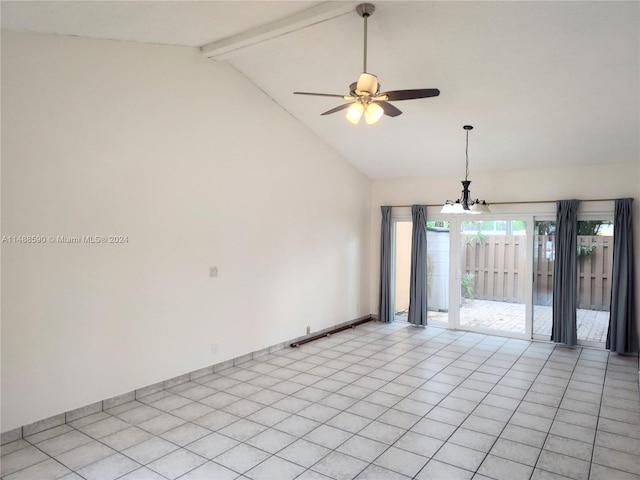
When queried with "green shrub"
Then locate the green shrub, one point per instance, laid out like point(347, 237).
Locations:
point(467, 284)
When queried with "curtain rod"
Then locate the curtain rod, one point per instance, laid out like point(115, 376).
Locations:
point(520, 203)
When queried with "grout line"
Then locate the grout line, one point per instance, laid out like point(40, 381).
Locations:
point(595, 435)
point(556, 413)
point(486, 454)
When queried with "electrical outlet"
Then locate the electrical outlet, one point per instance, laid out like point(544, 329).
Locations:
point(213, 272)
point(308, 329)
point(214, 348)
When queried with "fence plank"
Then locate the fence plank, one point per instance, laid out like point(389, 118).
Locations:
point(521, 267)
point(498, 264)
point(485, 280)
point(597, 275)
point(544, 270)
point(500, 248)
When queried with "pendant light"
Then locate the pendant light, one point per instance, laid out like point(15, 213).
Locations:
point(465, 204)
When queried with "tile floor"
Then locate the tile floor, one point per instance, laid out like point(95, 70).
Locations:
point(382, 401)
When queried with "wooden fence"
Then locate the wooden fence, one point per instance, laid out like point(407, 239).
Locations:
point(543, 262)
point(497, 263)
point(594, 272)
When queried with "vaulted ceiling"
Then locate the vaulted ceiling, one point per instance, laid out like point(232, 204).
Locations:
point(543, 83)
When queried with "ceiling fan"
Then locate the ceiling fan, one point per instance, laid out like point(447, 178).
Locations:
point(364, 96)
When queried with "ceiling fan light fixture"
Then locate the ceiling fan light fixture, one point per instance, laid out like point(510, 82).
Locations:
point(354, 112)
point(366, 90)
point(372, 113)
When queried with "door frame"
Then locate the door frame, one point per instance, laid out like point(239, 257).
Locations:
point(395, 219)
point(455, 273)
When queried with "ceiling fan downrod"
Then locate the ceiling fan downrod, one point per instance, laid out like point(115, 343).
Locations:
point(365, 10)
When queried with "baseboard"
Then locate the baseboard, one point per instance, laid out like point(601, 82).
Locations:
point(75, 414)
point(338, 328)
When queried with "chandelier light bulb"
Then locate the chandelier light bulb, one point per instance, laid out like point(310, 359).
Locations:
point(457, 207)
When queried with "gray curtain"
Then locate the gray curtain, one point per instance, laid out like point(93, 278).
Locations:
point(565, 273)
point(386, 279)
point(418, 281)
point(622, 336)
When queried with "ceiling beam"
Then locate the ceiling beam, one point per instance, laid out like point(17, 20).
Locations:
point(230, 46)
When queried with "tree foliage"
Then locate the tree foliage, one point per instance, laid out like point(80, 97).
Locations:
point(585, 227)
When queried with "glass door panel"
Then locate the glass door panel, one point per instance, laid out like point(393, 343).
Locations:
point(593, 288)
point(493, 279)
point(402, 262)
point(595, 259)
point(438, 246)
point(544, 254)
point(437, 271)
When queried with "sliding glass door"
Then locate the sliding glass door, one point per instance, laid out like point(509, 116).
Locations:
point(494, 274)
point(478, 273)
point(544, 253)
point(594, 267)
point(494, 279)
point(438, 271)
point(595, 264)
point(438, 248)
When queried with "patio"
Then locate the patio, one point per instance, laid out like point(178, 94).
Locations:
point(592, 325)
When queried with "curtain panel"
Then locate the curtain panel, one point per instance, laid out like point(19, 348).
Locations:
point(565, 274)
point(418, 280)
point(385, 313)
point(622, 336)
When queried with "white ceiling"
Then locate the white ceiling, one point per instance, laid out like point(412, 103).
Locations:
point(544, 83)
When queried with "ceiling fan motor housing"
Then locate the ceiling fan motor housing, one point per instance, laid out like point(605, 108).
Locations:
point(367, 83)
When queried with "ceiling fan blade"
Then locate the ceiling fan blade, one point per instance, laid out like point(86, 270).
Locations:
point(319, 94)
point(396, 95)
point(389, 109)
point(337, 109)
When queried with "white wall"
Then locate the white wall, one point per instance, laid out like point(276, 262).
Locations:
point(585, 183)
point(198, 168)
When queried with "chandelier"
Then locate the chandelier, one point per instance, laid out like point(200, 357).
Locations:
point(465, 204)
